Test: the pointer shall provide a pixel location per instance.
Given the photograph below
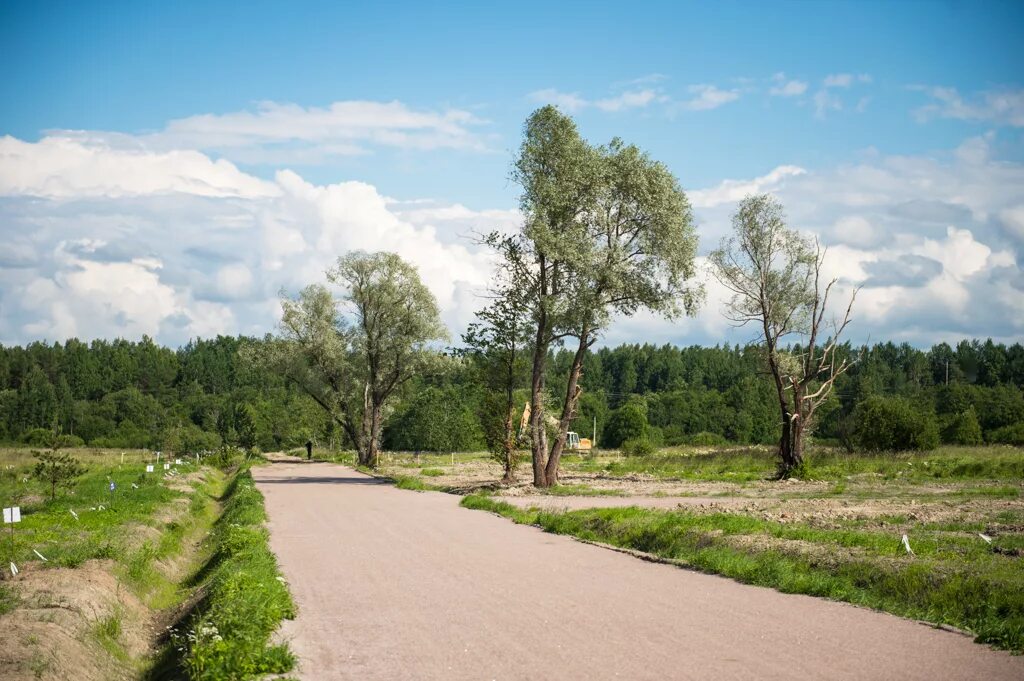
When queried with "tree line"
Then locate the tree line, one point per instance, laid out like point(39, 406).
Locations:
point(138, 394)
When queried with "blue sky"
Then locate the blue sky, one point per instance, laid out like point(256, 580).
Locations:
point(897, 127)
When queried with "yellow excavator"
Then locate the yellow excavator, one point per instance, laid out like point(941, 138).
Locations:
point(573, 442)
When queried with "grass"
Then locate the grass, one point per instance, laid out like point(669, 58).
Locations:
point(431, 472)
point(100, 530)
point(108, 633)
point(958, 581)
point(578, 491)
point(746, 464)
point(228, 636)
point(8, 599)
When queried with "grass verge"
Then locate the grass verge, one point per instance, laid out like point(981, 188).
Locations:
point(976, 589)
point(228, 635)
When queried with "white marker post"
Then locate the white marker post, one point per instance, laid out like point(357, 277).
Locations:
point(149, 468)
point(167, 466)
point(12, 515)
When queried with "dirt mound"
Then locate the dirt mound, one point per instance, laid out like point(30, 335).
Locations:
point(73, 624)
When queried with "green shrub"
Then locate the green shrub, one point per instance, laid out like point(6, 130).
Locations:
point(38, 437)
point(638, 447)
point(1008, 435)
point(962, 429)
point(628, 422)
point(706, 439)
point(893, 424)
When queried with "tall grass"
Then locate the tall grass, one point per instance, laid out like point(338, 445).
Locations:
point(744, 464)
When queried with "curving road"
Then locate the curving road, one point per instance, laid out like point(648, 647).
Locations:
point(393, 584)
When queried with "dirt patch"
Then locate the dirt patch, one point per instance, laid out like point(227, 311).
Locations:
point(171, 512)
point(136, 535)
point(73, 624)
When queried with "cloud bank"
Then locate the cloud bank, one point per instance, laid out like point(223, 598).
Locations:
point(105, 239)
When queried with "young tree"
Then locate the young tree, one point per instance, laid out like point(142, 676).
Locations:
point(607, 231)
point(56, 470)
point(245, 426)
point(774, 275)
point(497, 344)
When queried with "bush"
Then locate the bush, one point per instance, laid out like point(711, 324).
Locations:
point(706, 439)
point(628, 422)
point(893, 424)
point(962, 429)
point(38, 437)
point(638, 447)
point(1008, 435)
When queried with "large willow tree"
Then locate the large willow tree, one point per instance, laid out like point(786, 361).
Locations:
point(352, 353)
point(607, 232)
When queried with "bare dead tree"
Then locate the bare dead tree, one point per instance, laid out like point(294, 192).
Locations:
point(775, 276)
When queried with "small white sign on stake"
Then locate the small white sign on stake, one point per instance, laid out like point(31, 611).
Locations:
point(12, 515)
point(14, 570)
point(167, 466)
point(177, 462)
point(149, 468)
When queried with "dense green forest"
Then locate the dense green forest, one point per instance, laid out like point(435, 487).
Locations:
point(138, 394)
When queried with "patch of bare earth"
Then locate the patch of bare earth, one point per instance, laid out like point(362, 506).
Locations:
point(52, 634)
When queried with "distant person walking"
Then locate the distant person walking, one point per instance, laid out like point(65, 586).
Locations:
point(309, 450)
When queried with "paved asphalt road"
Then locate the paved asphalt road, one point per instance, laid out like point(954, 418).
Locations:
point(394, 584)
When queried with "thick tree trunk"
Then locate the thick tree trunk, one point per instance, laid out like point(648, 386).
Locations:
point(572, 396)
point(791, 446)
point(784, 446)
point(373, 441)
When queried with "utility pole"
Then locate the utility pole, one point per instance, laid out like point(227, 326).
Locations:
point(947, 372)
point(593, 441)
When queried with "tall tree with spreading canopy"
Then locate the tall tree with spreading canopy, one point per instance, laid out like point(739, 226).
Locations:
point(775, 277)
point(353, 368)
point(607, 231)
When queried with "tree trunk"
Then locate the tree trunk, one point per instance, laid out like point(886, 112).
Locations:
point(785, 445)
point(572, 396)
point(373, 441)
point(538, 433)
point(508, 444)
point(796, 447)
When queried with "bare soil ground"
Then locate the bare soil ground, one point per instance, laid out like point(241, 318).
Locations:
point(399, 584)
point(864, 497)
point(54, 633)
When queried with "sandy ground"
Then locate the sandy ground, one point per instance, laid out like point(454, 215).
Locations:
point(393, 584)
